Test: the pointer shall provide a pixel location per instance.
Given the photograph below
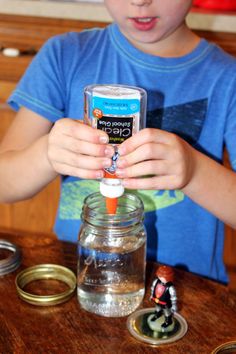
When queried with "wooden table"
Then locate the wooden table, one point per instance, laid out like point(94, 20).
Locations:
point(208, 307)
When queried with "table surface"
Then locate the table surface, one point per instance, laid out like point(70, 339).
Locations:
point(208, 307)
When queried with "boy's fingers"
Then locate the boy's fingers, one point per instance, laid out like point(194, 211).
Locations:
point(144, 168)
point(152, 151)
point(86, 148)
point(82, 131)
point(79, 172)
point(148, 135)
point(81, 161)
point(155, 183)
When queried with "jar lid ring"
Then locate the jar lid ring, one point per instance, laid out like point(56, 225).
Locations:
point(45, 272)
point(12, 262)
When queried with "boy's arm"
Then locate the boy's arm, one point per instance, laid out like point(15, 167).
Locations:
point(213, 186)
point(171, 163)
point(24, 167)
point(34, 151)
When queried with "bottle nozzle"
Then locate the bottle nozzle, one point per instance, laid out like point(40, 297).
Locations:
point(111, 187)
point(111, 205)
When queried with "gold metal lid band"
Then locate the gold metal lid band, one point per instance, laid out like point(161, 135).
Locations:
point(229, 347)
point(42, 272)
point(11, 263)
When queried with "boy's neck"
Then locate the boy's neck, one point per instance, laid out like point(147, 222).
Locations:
point(180, 43)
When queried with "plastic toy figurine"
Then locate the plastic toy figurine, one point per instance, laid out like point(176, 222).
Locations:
point(160, 324)
point(163, 294)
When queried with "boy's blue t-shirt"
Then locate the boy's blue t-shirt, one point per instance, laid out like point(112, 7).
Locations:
point(193, 96)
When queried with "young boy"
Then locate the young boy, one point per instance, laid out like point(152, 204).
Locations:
point(191, 86)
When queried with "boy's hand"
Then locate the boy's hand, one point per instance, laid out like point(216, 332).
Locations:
point(76, 149)
point(165, 160)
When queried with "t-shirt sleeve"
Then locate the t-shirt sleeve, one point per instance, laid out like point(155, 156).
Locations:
point(41, 89)
point(230, 131)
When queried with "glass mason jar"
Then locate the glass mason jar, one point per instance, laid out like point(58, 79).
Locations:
point(111, 256)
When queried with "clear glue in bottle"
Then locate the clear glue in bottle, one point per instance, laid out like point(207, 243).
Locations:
point(120, 111)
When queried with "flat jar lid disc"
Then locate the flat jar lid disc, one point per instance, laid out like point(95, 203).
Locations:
point(45, 272)
point(138, 326)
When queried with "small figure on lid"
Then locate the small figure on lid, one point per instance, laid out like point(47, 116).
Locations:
point(160, 324)
point(163, 294)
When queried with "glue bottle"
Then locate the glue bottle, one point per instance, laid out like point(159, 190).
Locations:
point(120, 111)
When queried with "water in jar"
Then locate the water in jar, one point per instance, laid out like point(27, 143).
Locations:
point(111, 283)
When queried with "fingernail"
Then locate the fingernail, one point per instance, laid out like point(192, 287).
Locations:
point(125, 183)
point(109, 151)
point(120, 163)
point(99, 174)
point(121, 150)
point(106, 163)
point(120, 173)
point(103, 139)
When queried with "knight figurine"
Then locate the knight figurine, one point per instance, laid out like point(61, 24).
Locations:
point(163, 294)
